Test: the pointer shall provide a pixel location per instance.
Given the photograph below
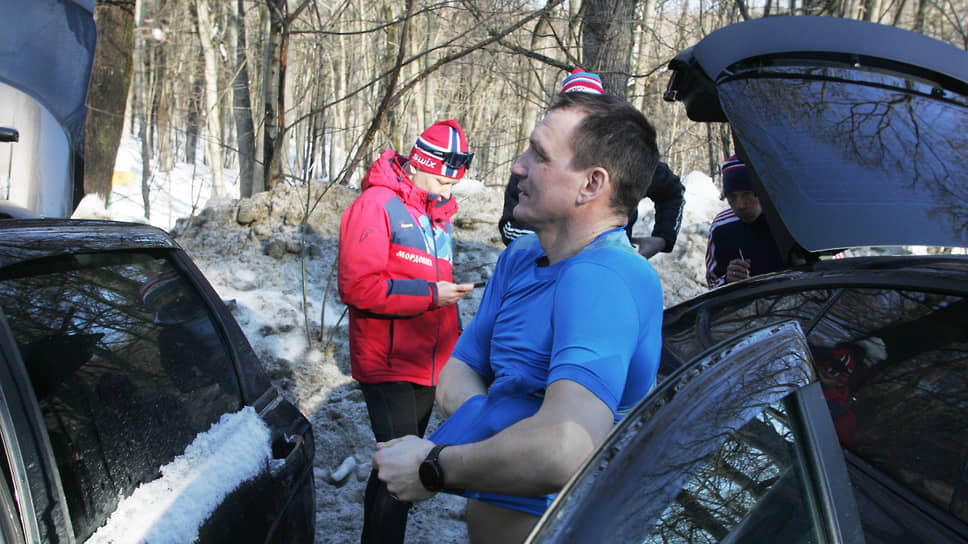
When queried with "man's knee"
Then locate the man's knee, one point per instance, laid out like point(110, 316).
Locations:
point(489, 524)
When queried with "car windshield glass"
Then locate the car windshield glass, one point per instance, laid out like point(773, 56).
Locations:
point(126, 365)
point(852, 147)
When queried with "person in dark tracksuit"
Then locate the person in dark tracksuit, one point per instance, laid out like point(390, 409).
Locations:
point(395, 276)
point(740, 242)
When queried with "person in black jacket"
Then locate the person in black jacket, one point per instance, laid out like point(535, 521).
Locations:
point(666, 191)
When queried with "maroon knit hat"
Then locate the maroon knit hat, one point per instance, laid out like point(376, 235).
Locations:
point(735, 176)
point(442, 150)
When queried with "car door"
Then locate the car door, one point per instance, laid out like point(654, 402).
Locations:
point(32, 506)
point(153, 423)
point(728, 448)
point(889, 340)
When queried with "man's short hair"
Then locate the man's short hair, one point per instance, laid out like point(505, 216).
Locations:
point(617, 137)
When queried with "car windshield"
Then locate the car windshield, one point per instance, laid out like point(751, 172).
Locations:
point(824, 140)
point(126, 364)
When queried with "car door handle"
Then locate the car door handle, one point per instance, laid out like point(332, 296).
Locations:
point(287, 445)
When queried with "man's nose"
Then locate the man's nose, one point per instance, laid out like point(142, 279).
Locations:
point(518, 168)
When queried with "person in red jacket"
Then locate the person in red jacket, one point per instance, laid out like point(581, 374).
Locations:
point(395, 276)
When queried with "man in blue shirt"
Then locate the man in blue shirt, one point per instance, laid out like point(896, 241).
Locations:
point(567, 337)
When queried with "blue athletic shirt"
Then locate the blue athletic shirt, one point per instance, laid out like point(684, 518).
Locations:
point(594, 318)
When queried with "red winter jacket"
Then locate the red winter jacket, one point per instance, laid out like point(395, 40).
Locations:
point(390, 259)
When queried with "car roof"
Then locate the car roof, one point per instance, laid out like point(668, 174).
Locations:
point(853, 131)
point(28, 239)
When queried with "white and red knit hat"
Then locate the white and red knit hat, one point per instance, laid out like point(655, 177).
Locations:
point(583, 82)
point(442, 150)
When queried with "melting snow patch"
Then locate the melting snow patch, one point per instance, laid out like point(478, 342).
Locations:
point(172, 508)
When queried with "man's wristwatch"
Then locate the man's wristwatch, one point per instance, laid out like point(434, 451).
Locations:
point(431, 474)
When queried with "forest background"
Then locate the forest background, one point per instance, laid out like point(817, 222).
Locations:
point(292, 91)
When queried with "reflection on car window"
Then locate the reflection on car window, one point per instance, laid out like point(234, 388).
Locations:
point(898, 394)
point(126, 365)
point(750, 490)
point(893, 365)
point(849, 137)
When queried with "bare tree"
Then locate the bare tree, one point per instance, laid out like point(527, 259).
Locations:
point(213, 119)
point(242, 108)
point(107, 94)
point(607, 41)
point(274, 89)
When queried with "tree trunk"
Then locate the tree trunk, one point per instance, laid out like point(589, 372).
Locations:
point(213, 121)
point(144, 99)
point(244, 127)
point(107, 94)
point(194, 119)
point(607, 42)
point(163, 118)
point(274, 92)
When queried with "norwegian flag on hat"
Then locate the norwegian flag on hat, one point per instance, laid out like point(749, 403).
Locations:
point(439, 148)
point(583, 82)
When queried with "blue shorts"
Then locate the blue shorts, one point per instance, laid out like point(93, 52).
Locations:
point(481, 417)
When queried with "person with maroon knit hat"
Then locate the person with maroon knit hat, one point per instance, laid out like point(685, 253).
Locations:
point(740, 242)
point(395, 276)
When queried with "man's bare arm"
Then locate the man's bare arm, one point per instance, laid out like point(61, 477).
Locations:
point(457, 383)
point(538, 454)
point(649, 246)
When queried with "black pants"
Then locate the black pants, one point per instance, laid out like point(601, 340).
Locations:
point(396, 409)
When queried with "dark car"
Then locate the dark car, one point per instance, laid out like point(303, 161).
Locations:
point(826, 402)
point(132, 407)
point(130, 400)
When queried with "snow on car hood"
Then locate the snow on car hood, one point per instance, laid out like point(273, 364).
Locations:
point(172, 508)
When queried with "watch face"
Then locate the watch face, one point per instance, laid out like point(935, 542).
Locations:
point(430, 476)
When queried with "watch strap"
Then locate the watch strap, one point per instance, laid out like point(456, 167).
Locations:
point(434, 454)
point(432, 460)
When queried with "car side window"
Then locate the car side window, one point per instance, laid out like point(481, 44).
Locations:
point(893, 365)
point(897, 392)
point(126, 365)
point(751, 489)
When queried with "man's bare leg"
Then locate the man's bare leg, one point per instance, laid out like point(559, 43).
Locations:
point(489, 524)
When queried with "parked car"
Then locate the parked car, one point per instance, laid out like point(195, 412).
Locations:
point(124, 381)
point(825, 402)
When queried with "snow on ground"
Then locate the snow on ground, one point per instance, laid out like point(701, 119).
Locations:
point(252, 251)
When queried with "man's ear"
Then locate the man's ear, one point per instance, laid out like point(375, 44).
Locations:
point(597, 184)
